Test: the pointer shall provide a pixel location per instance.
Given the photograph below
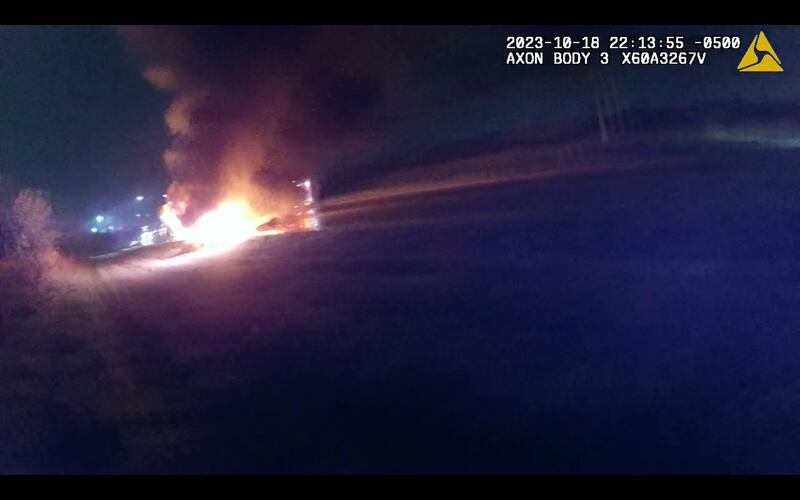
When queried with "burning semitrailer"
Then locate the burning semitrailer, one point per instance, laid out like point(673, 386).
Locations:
point(234, 221)
point(304, 217)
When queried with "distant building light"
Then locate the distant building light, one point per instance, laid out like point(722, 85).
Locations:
point(111, 228)
point(99, 218)
point(139, 198)
point(163, 196)
point(138, 215)
point(94, 229)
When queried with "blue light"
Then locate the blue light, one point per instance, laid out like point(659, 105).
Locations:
point(99, 218)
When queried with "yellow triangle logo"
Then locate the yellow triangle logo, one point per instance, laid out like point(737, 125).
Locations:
point(760, 57)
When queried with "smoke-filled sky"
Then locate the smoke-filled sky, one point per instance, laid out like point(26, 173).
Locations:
point(94, 114)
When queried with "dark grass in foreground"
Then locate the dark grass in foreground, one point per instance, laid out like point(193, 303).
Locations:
point(636, 322)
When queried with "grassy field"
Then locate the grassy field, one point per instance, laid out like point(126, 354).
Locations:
point(65, 390)
point(634, 321)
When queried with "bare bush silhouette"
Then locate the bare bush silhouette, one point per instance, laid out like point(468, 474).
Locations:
point(26, 232)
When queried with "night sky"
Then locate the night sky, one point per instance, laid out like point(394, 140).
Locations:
point(77, 119)
point(80, 121)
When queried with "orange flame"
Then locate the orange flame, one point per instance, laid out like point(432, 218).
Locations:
point(232, 222)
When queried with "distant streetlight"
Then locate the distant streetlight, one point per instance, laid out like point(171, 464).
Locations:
point(94, 229)
point(139, 198)
point(99, 218)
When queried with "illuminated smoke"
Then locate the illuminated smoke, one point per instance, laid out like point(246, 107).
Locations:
point(253, 109)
